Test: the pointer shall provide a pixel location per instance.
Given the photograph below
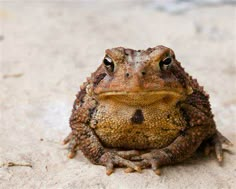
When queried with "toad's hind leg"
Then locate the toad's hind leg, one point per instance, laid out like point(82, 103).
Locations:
point(181, 148)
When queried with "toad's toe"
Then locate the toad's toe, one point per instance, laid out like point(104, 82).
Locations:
point(112, 159)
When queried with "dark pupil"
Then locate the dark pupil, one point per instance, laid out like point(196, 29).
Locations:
point(167, 61)
point(109, 64)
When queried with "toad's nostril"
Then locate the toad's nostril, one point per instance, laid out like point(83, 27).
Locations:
point(143, 73)
point(127, 74)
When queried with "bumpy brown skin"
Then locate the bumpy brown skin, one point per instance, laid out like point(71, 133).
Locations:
point(141, 109)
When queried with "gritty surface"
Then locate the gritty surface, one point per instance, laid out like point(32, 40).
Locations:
point(46, 51)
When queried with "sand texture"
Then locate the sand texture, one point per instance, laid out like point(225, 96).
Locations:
point(47, 49)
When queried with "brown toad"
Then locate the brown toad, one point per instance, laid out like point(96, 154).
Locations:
point(141, 109)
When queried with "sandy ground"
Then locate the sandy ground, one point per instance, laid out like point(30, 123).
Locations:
point(47, 51)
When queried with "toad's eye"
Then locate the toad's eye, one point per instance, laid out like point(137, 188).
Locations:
point(165, 63)
point(109, 64)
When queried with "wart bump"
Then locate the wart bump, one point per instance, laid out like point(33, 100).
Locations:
point(138, 117)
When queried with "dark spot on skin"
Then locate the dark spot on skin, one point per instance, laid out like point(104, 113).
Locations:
point(99, 78)
point(149, 50)
point(185, 116)
point(138, 117)
point(91, 111)
point(182, 132)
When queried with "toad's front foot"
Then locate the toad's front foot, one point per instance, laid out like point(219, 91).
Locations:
point(216, 144)
point(117, 159)
point(73, 145)
point(110, 158)
point(153, 159)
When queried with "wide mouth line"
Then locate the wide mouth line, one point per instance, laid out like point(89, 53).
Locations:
point(138, 93)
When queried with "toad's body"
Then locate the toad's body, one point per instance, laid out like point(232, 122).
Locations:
point(145, 103)
point(137, 127)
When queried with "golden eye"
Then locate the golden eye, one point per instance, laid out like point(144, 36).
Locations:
point(109, 64)
point(165, 63)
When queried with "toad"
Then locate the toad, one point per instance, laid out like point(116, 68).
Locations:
point(141, 109)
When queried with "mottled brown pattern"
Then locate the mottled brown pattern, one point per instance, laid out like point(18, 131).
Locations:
point(142, 102)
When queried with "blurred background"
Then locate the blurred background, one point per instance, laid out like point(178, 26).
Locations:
point(49, 47)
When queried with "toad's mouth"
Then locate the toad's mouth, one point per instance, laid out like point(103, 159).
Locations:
point(144, 97)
